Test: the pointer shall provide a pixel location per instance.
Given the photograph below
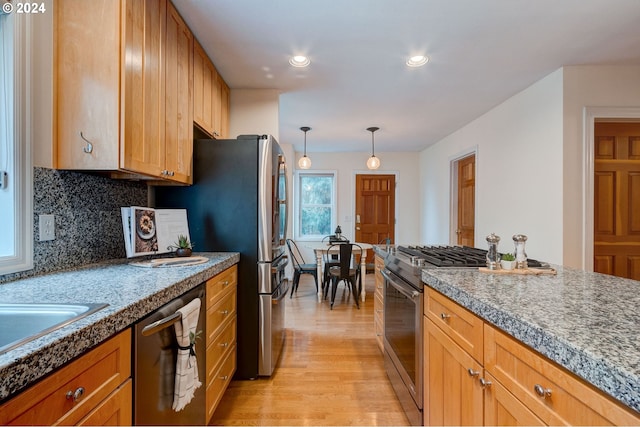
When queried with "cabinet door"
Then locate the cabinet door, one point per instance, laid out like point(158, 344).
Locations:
point(204, 75)
point(115, 410)
point(501, 408)
point(143, 119)
point(87, 84)
point(224, 109)
point(178, 98)
point(452, 393)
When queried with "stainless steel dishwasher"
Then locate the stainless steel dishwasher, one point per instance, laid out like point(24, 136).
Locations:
point(155, 355)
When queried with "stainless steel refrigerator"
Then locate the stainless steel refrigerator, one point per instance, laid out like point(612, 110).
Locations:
point(238, 203)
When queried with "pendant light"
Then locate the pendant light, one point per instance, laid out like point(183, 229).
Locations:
point(373, 162)
point(305, 162)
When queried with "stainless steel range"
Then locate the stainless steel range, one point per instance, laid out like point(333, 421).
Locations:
point(403, 312)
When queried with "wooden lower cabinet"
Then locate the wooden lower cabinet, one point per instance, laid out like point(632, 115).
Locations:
point(452, 393)
point(221, 335)
point(378, 303)
point(501, 408)
point(507, 383)
point(555, 395)
point(94, 389)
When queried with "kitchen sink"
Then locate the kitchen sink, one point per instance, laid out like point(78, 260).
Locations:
point(21, 323)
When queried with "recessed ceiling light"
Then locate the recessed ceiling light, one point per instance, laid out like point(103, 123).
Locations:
point(417, 61)
point(299, 61)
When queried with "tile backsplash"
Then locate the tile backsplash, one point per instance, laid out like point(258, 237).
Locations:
point(88, 224)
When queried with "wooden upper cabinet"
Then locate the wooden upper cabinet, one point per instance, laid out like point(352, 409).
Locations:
point(143, 145)
point(211, 96)
point(123, 91)
point(178, 97)
point(87, 84)
point(204, 75)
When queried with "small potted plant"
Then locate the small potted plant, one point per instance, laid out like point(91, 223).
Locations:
point(508, 261)
point(183, 248)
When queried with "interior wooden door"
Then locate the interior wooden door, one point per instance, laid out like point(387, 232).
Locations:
point(617, 199)
point(375, 208)
point(466, 178)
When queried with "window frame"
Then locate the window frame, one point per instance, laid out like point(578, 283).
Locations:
point(297, 217)
point(22, 257)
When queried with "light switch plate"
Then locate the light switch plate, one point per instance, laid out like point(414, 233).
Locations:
point(47, 227)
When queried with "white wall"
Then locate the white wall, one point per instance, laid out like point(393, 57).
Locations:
point(587, 86)
point(254, 112)
point(518, 175)
point(347, 165)
point(530, 163)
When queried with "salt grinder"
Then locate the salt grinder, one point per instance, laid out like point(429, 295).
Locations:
point(521, 256)
point(493, 257)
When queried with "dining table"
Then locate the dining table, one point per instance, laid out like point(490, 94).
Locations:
point(322, 248)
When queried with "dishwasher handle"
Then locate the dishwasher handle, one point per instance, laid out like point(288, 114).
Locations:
point(161, 324)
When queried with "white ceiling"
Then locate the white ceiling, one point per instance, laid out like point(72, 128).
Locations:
point(481, 53)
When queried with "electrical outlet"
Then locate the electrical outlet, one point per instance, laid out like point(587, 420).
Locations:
point(47, 227)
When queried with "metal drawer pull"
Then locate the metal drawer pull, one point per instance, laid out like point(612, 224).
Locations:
point(473, 373)
point(224, 377)
point(445, 316)
point(541, 391)
point(484, 383)
point(75, 395)
point(225, 283)
point(224, 344)
point(224, 312)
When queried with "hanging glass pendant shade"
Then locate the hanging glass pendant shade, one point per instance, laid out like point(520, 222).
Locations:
point(305, 162)
point(373, 162)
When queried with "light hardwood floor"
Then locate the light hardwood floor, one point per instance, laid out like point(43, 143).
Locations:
point(331, 371)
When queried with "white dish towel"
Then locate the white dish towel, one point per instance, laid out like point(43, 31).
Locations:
point(187, 380)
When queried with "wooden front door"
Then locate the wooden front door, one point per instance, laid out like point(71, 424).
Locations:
point(375, 208)
point(616, 182)
point(466, 201)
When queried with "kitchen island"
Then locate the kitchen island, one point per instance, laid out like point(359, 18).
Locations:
point(131, 293)
point(587, 323)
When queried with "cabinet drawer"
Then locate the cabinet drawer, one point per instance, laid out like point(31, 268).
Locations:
point(219, 313)
point(220, 283)
point(96, 374)
point(568, 399)
point(220, 381)
point(221, 344)
point(462, 326)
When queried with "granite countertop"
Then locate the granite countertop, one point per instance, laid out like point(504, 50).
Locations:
point(131, 292)
point(588, 323)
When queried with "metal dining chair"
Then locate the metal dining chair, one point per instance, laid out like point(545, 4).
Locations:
point(331, 261)
point(343, 272)
point(300, 266)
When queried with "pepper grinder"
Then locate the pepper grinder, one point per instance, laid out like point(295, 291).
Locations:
point(493, 257)
point(521, 256)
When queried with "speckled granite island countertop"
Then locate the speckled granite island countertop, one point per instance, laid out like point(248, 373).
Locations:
point(588, 323)
point(131, 292)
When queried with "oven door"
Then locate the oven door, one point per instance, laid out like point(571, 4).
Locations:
point(403, 306)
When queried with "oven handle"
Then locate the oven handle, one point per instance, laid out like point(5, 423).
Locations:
point(407, 291)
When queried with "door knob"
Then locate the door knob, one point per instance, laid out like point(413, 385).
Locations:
point(358, 228)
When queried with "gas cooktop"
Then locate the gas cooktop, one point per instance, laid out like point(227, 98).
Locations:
point(450, 256)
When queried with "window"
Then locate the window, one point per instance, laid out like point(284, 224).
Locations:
point(16, 223)
point(315, 215)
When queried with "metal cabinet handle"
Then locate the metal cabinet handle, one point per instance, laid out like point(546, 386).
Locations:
point(484, 383)
point(225, 283)
point(224, 312)
point(87, 148)
point(445, 316)
point(473, 373)
point(224, 377)
point(75, 395)
point(224, 344)
point(541, 391)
